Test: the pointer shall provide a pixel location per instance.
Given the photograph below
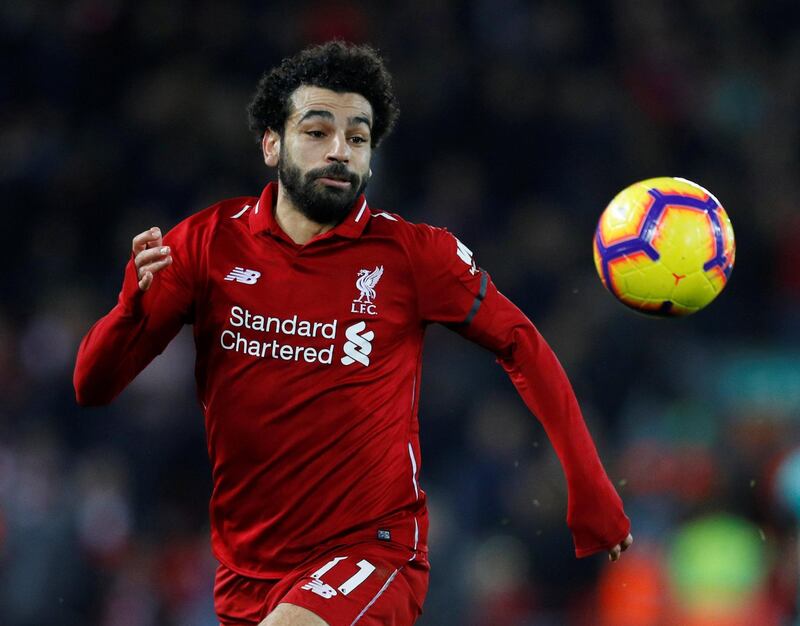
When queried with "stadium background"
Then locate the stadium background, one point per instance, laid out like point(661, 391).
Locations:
point(519, 122)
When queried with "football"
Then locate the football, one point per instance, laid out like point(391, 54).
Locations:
point(664, 247)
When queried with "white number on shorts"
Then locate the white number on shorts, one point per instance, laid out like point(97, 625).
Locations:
point(365, 568)
point(327, 567)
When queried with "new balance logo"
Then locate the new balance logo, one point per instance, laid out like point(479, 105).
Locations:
point(320, 588)
point(241, 275)
point(358, 345)
point(465, 254)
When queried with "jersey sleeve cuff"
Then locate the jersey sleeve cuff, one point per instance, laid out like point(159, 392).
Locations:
point(130, 297)
point(584, 548)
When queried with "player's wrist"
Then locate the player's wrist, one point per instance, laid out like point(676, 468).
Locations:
point(130, 297)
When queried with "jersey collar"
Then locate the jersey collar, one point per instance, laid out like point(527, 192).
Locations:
point(262, 218)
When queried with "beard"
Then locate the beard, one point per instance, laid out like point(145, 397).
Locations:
point(320, 203)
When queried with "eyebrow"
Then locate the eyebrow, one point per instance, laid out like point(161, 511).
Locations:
point(359, 119)
point(353, 121)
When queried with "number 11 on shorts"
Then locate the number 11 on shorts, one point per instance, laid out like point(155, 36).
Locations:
point(365, 568)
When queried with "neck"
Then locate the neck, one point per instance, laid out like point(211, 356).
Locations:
point(300, 229)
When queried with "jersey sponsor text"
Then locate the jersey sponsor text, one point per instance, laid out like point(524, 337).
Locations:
point(236, 341)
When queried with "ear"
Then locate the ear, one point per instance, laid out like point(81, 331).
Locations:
point(271, 147)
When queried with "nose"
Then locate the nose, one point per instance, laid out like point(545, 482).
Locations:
point(339, 149)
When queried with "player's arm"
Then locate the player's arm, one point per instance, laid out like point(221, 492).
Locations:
point(454, 291)
point(155, 301)
point(594, 513)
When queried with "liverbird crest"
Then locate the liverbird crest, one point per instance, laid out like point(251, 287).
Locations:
point(366, 281)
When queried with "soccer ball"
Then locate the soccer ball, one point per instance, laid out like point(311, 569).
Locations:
point(664, 246)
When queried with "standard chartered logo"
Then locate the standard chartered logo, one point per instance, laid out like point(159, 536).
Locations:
point(293, 338)
point(358, 345)
point(294, 331)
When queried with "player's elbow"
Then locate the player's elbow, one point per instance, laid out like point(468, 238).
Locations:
point(89, 392)
point(90, 397)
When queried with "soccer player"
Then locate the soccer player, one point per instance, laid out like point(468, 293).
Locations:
point(309, 310)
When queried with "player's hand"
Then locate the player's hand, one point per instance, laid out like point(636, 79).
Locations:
point(615, 552)
point(149, 256)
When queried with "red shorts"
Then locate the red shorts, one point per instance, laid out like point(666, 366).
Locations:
point(370, 584)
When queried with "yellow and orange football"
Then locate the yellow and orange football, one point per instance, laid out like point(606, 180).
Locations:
point(664, 246)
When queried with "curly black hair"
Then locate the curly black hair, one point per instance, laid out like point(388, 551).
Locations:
point(336, 65)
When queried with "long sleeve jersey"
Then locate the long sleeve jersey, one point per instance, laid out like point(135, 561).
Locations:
point(308, 368)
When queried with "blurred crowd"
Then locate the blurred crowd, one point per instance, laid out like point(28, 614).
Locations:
point(520, 121)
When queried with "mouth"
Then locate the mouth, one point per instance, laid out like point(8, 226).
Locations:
point(339, 183)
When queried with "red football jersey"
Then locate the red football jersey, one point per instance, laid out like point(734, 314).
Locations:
point(308, 368)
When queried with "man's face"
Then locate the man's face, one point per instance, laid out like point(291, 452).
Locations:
point(325, 152)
